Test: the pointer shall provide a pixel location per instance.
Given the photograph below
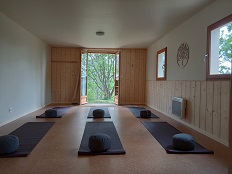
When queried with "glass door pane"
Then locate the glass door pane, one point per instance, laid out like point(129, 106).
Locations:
point(84, 98)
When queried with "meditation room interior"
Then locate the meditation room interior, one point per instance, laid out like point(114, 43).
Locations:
point(115, 87)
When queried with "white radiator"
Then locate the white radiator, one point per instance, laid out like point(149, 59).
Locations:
point(178, 107)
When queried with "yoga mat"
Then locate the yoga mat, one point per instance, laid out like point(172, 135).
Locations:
point(163, 133)
point(29, 136)
point(105, 128)
point(136, 112)
point(107, 113)
point(62, 111)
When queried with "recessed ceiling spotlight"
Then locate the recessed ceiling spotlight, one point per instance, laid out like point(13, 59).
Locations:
point(100, 33)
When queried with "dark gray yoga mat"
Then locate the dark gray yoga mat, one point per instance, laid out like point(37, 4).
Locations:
point(136, 112)
point(107, 113)
point(61, 112)
point(29, 136)
point(105, 128)
point(163, 133)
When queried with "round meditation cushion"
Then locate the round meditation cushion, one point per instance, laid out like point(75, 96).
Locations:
point(144, 113)
point(8, 144)
point(99, 142)
point(51, 113)
point(183, 141)
point(98, 113)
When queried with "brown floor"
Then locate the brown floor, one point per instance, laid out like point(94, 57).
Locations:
point(56, 153)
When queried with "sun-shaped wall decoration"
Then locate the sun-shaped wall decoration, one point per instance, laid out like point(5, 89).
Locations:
point(183, 55)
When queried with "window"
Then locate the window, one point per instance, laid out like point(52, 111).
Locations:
point(161, 64)
point(219, 49)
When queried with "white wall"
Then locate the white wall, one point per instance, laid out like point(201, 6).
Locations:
point(25, 73)
point(193, 32)
point(203, 112)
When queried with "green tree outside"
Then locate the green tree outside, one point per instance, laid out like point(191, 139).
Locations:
point(225, 49)
point(101, 69)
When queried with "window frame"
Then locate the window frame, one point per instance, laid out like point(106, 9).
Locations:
point(210, 28)
point(164, 50)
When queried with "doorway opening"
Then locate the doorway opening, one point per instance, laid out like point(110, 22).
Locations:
point(100, 72)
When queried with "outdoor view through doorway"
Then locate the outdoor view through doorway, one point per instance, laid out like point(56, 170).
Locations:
point(99, 74)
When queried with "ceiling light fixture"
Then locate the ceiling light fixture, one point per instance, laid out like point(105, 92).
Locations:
point(100, 33)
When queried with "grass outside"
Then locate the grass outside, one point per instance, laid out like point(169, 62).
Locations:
point(109, 101)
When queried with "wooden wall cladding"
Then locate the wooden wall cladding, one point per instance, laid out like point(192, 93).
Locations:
point(207, 104)
point(65, 70)
point(132, 84)
point(66, 66)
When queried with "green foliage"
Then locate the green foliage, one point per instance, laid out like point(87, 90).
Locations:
point(101, 76)
point(225, 50)
point(83, 74)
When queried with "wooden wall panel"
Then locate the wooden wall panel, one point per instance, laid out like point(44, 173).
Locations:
point(192, 103)
point(63, 81)
point(54, 81)
point(65, 69)
point(178, 88)
point(122, 71)
point(188, 101)
point(207, 104)
point(165, 104)
point(169, 88)
point(203, 106)
point(136, 72)
point(162, 87)
point(154, 88)
point(216, 108)
point(209, 107)
point(58, 82)
point(132, 76)
point(131, 87)
point(128, 76)
point(68, 82)
point(74, 68)
point(225, 104)
point(196, 101)
point(142, 76)
point(157, 88)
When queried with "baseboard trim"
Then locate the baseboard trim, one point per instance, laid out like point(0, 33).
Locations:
point(20, 116)
point(219, 147)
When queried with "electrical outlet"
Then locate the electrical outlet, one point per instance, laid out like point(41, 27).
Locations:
point(10, 109)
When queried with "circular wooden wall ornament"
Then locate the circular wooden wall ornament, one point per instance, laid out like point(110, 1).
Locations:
point(183, 55)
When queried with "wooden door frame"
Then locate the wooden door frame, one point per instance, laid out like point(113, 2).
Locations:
point(230, 130)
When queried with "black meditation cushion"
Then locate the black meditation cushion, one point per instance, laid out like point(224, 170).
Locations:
point(51, 113)
point(99, 142)
point(8, 144)
point(98, 113)
point(183, 141)
point(144, 113)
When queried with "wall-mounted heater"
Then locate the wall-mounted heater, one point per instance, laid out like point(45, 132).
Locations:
point(178, 107)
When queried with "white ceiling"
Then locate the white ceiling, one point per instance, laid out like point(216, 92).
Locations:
point(126, 23)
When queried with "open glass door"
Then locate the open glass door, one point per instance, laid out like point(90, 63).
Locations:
point(116, 79)
point(84, 62)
